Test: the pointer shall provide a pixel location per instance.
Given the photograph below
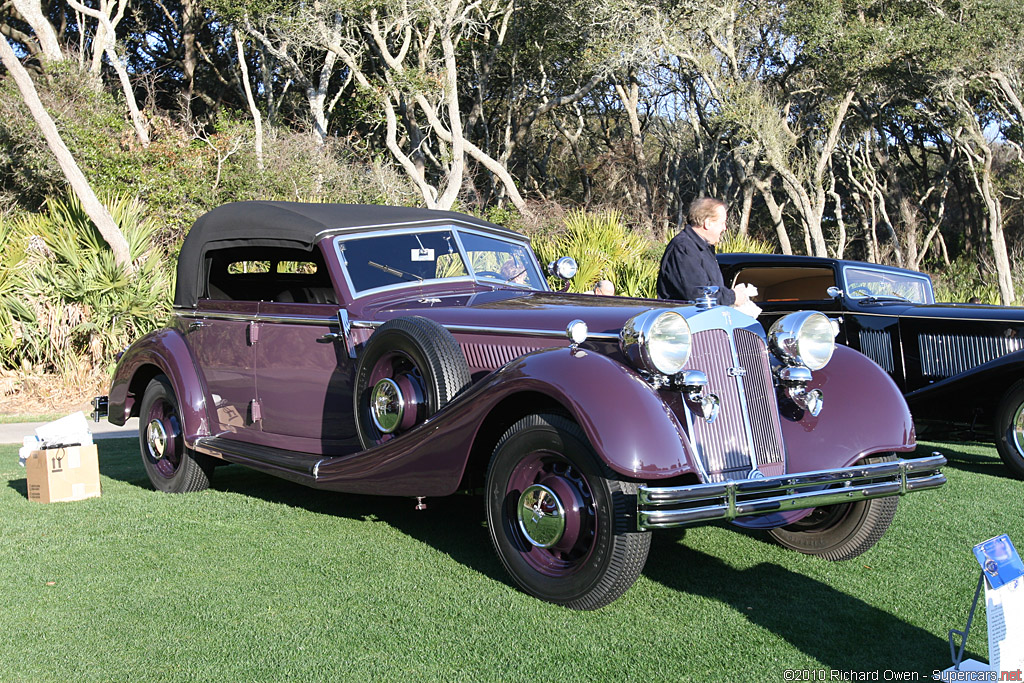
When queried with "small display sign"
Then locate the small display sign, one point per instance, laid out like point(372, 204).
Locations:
point(999, 560)
point(422, 255)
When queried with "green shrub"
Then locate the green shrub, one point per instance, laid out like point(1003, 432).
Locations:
point(965, 278)
point(604, 248)
point(735, 243)
point(71, 305)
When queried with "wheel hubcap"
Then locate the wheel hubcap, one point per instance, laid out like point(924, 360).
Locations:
point(156, 437)
point(387, 405)
point(541, 516)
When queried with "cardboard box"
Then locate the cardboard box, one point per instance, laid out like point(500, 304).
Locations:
point(70, 473)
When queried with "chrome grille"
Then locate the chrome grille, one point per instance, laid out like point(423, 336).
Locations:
point(762, 405)
point(748, 420)
point(945, 355)
point(493, 356)
point(877, 346)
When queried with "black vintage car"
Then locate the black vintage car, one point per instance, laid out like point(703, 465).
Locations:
point(960, 365)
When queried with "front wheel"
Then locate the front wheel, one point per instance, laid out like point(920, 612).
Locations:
point(172, 467)
point(840, 532)
point(562, 523)
point(1009, 428)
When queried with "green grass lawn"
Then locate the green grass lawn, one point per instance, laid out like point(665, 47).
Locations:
point(260, 579)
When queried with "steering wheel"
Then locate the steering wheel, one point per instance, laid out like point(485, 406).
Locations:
point(489, 273)
point(861, 290)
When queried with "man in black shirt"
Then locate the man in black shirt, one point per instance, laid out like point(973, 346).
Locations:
point(689, 259)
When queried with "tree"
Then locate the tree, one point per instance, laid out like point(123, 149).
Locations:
point(76, 179)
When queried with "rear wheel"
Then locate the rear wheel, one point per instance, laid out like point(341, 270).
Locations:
point(840, 532)
point(562, 523)
point(170, 465)
point(1009, 428)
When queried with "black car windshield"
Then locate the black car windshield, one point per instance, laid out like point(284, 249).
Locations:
point(867, 283)
point(394, 258)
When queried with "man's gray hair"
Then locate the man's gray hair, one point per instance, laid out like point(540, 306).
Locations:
point(702, 209)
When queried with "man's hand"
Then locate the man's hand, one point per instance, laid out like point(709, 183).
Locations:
point(744, 293)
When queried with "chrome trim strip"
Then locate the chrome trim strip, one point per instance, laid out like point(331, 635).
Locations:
point(441, 222)
point(316, 320)
point(374, 324)
point(672, 506)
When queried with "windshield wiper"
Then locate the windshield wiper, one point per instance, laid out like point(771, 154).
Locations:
point(886, 297)
point(394, 271)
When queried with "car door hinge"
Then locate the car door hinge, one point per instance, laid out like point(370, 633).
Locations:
point(255, 412)
point(254, 332)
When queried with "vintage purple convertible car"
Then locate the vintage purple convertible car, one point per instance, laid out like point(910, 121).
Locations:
point(404, 352)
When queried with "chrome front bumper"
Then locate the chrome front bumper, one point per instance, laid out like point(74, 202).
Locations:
point(670, 506)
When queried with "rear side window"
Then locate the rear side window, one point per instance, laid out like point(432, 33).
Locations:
point(268, 274)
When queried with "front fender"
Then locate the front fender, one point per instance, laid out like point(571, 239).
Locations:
point(628, 424)
point(161, 352)
point(864, 412)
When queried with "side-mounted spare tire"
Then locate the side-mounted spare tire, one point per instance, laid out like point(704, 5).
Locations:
point(410, 368)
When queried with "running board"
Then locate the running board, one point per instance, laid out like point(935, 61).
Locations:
point(291, 465)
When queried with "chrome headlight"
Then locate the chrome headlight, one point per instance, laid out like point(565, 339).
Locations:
point(657, 341)
point(805, 338)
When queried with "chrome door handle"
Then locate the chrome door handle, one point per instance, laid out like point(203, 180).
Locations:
point(196, 325)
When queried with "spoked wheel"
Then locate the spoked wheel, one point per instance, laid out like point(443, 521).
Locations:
point(563, 524)
point(170, 465)
point(411, 368)
point(840, 532)
point(1009, 429)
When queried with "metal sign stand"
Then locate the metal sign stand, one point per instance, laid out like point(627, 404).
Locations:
point(958, 653)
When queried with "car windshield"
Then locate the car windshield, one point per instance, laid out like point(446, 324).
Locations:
point(387, 259)
point(866, 283)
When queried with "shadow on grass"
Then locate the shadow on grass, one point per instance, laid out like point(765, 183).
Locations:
point(839, 630)
point(453, 524)
point(959, 457)
point(834, 628)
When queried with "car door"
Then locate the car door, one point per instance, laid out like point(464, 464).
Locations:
point(304, 379)
point(219, 334)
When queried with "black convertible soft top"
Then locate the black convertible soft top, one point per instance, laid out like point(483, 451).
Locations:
point(288, 224)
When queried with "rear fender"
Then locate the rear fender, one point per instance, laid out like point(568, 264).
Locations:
point(863, 413)
point(163, 352)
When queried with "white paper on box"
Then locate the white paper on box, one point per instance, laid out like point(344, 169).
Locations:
point(71, 429)
point(74, 459)
point(78, 490)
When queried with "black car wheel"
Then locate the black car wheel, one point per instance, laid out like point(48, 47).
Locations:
point(410, 369)
point(562, 523)
point(170, 465)
point(1009, 429)
point(840, 532)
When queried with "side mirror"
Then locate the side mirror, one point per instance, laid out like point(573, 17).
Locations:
point(834, 292)
point(564, 267)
